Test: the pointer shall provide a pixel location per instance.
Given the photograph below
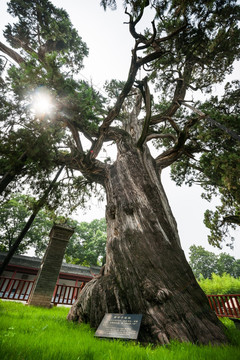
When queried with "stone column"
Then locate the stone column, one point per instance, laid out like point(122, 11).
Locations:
point(42, 292)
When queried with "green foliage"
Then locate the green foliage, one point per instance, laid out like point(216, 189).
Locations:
point(211, 156)
point(227, 264)
point(204, 263)
point(87, 246)
point(217, 166)
point(47, 30)
point(29, 332)
point(220, 284)
point(233, 334)
point(199, 49)
point(14, 214)
point(27, 145)
point(51, 52)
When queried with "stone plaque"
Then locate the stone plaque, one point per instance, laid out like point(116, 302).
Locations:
point(119, 326)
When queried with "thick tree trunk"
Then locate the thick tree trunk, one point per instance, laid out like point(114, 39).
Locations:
point(146, 271)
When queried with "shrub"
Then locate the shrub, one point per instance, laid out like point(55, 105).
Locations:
point(225, 284)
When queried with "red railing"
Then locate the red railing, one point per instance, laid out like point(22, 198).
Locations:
point(19, 289)
point(15, 289)
point(65, 295)
point(225, 305)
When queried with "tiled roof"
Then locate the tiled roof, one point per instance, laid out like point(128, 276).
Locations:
point(34, 263)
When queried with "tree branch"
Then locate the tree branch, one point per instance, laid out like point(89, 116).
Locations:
point(11, 53)
point(136, 63)
point(213, 122)
point(76, 136)
point(170, 36)
point(231, 219)
point(94, 151)
point(147, 99)
point(161, 136)
point(171, 155)
point(93, 170)
point(23, 45)
point(133, 23)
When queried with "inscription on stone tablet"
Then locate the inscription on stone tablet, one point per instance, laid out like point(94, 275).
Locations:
point(119, 326)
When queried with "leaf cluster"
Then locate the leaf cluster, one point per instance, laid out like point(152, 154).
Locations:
point(200, 48)
point(50, 47)
point(46, 30)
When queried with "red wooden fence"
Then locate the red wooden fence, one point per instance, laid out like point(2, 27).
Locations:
point(17, 289)
point(225, 305)
point(65, 295)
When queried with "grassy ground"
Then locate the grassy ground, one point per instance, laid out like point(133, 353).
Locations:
point(29, 333)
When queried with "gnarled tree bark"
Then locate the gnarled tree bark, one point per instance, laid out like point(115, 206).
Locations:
point(146, 271)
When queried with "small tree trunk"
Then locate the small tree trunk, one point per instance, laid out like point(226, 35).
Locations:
point(28, 224)
point(10, 175)
point(146, 271)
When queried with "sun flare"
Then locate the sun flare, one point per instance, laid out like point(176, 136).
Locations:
point(42, 103)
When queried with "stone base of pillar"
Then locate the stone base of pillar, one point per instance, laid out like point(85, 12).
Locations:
point(42, 301)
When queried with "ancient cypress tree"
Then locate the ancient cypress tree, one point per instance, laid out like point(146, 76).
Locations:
point(190, 45)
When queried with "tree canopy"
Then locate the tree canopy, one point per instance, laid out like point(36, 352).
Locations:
point(185, 50)
point(216, 167)
point(30, 140)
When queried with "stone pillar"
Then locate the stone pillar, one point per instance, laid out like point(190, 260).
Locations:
point(42, 292)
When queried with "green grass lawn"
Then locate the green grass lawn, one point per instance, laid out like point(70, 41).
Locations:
point(30, 333)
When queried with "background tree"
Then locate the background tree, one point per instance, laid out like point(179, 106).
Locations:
point(205, 263)
point(236, 268)
point(36, 208)
point(13, 216)
point(225, 264)
point(87, 246)
point(202, 262)
point(189, 46)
